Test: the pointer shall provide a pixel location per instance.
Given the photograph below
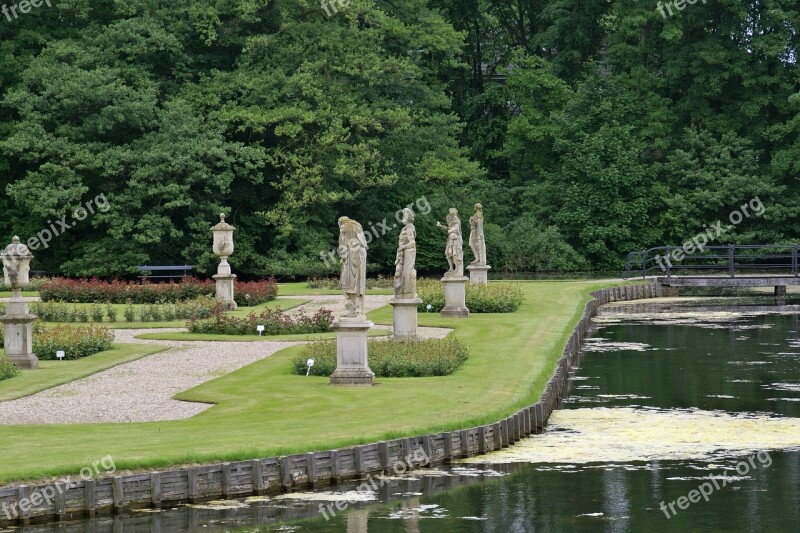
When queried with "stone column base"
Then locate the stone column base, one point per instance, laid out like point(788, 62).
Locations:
point(225, 291)
point(479, 274)
point(352, 367)
point(455, 297)
point(18, 339)
point(405, 317)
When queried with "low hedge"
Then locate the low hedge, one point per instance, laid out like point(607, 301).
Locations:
point(75, 342)
point(334, 284)
point(491, 298)
point(275, 322)
point(7, 369)
point(391, 358)
point(247, 293)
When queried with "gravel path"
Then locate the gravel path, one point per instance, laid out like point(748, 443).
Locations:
point(143, 390)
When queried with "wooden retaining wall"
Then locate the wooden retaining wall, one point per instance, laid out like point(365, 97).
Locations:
point(273, 475)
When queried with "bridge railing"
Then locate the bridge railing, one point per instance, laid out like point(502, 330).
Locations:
point(730, 260)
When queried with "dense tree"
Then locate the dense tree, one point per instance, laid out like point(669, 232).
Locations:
point(587, 129)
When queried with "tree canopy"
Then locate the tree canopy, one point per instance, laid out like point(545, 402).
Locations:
point(586, 129)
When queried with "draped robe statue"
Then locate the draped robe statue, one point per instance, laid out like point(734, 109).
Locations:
point(477, 240)
point(455, 244)
point(405, 276)
point(353, 253)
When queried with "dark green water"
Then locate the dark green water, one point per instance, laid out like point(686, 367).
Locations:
point(722, 374)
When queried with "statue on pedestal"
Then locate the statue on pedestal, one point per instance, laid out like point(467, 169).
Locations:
point(477, 240)
point(353, 253)
point(405, 276)
point(455, 244)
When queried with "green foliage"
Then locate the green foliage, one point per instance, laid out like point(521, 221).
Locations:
point(7, 369)
point(197, 308)
point(525, 246)
point(380, 282)
point(391, 358)
point(275, 322)
point(595, 127)
point(76, 342)
point(491, 298)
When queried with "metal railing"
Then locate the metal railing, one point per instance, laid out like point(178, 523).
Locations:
point(732, 260)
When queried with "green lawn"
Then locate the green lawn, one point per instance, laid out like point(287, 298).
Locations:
point(301, 288)
point(185, 336)
point(54, 373)
point(264, 410)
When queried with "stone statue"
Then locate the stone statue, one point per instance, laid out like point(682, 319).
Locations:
point(455, 244)
point(353, 253)
point(405, 276)
point(476, 238)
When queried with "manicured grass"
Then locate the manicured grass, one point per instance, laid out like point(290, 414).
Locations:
point(210, 337)
point(264, 410)
point(285, 304)
point(301, 288)
point(53, 373)
point(26, 294)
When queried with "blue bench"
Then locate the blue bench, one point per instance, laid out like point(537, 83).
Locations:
point(184, 269)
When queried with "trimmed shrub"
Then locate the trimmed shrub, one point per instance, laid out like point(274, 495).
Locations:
point(7, 369)
point(333, 284)
point(76, 342)
point(491, 298)
point(96, 313)
point(275, 322)
point(198, 308)
point(391, 358)
point(94, 290)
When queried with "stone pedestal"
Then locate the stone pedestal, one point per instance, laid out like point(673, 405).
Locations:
point(479, 274)
point(352, 367)
point(405, 317)
point(455, 297)
point(225, 291)
point(18, 334)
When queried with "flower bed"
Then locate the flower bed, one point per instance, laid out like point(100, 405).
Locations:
point(391, 358)
point(275, 322)
point(75, 342)
point(247, 293)
point(198, 308)
point(491, 298)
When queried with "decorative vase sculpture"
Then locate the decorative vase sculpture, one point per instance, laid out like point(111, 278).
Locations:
point(478, 269)
point(223, 248)
point(405, 299)
point(352, 367)
point(18, 322)
point(454, 279)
